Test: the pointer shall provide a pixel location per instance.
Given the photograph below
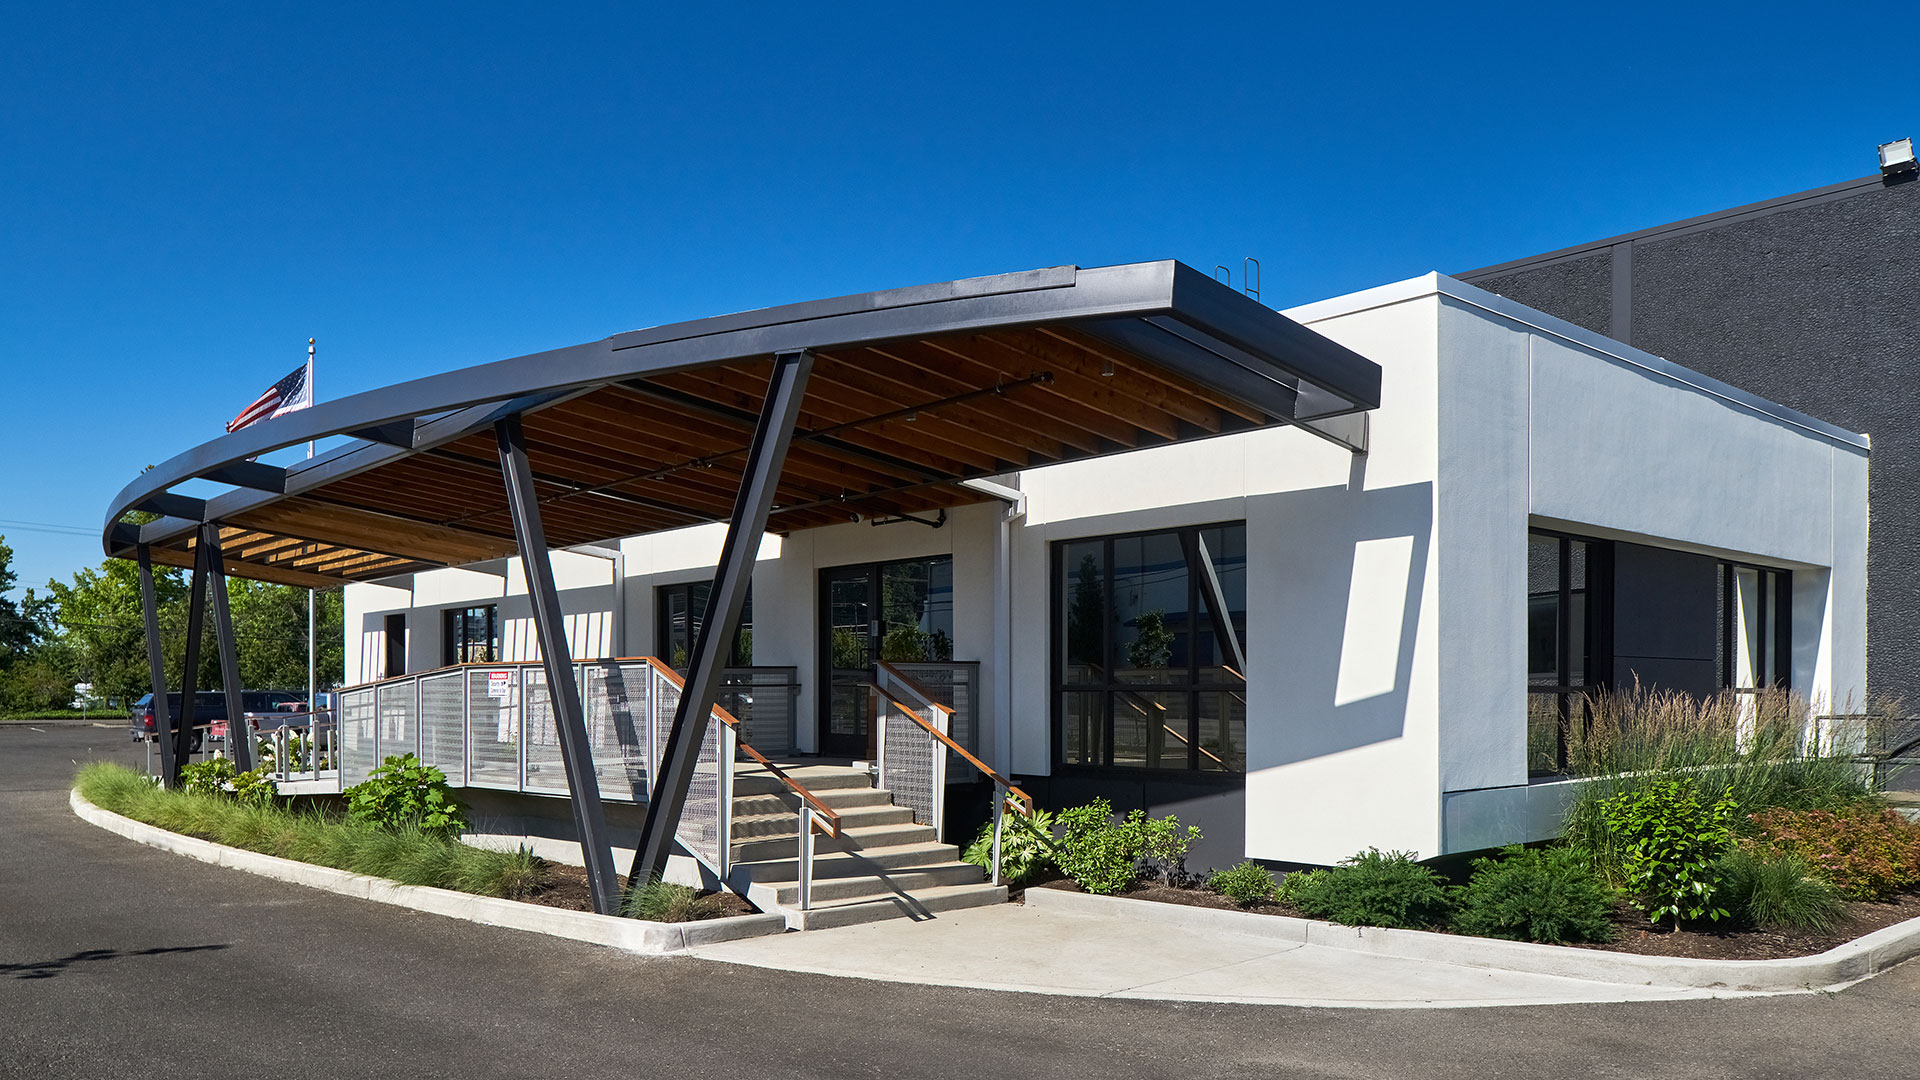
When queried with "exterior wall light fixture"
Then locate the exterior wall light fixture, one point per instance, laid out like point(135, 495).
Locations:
point(1897, 157)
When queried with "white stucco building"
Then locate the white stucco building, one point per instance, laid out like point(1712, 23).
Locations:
point(1538, 510)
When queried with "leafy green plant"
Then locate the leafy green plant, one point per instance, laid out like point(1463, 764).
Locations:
point(207, 777)
point(1295, 883)
point(1669, 840)
point(1548, 895)
point(1867, 853)
point(254, 788)
point(1780, 892)
point(1106, 856)
point(1374, 888)
point(660, 901)
point(403, 792)
point(1026, 847)
point(1246, 884)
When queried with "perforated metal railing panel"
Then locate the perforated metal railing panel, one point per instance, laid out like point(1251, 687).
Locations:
point(617, 703)
point(700, 817)
point(761, 698)
point(399, 720)
point(545, 768)
point(493, 732)
point(356, 736)
point(443, 725)
point(907, 763)
point(957, 686)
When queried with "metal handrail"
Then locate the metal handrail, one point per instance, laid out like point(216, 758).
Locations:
point(814, 812)
point(1005, 791)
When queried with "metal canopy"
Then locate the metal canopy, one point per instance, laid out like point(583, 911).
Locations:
point(913, 391)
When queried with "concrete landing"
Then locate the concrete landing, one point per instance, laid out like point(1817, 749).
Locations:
point(1018, 948)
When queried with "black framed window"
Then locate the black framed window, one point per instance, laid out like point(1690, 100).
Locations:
point(678, 610)
point(1149, 650)
point(396, 635)
point(1568, 582)
point(1755, 627)
point(470, 635)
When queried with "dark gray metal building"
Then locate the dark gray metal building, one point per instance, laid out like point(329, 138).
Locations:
point(1811, 300)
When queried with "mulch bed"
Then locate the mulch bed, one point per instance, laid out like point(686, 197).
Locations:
point(1632, 932)
point(566, 887)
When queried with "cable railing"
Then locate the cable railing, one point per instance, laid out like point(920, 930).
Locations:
point(913, 748)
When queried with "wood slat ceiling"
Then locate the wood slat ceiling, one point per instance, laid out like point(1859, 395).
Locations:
point(884, 430)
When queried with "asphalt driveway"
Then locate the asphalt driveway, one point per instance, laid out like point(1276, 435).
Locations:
point(119, 960)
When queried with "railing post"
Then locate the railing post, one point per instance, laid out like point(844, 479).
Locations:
point(804, 862)
point(999, 823)
point(727, 750)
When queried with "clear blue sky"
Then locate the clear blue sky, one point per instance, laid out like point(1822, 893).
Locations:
point(185, 199)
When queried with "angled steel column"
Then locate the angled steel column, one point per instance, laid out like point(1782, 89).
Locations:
point(190, 676)
point(239, 736)
point(1200, 563)
point(758, 479)
point(576, 756)
point(157, 668)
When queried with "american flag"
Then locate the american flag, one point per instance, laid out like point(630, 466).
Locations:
point(290, 394)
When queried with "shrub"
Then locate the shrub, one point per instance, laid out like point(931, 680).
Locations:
point(1549, 895)
point(1779, 892)
point(1296, 883)
point(207, 777)
point(1374, 888)
point(660, 901)
point(1867, 853)
point(403, 792)
point(254, 788)
point(1105, 856)
point(1026, 847)
point(1247, 884)
point(1669, 841)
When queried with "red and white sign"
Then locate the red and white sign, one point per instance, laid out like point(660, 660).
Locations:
point(499, 684)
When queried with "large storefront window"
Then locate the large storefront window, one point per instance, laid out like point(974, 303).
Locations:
point(678, 610)
point(470, 635)
point(1150, 663)
point(1605, 614)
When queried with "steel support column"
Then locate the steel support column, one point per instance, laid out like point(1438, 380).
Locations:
point(759, 477)
point(190, 673)
point(157, 668)
point(576, 756)
point(1227, 640)
point(239, 734)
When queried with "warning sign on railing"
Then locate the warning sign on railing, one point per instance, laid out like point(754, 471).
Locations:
point(499, 684)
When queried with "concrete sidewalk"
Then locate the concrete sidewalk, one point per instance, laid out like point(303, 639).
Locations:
point(1020, 948)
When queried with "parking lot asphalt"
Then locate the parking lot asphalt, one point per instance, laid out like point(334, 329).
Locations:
point(120, 960)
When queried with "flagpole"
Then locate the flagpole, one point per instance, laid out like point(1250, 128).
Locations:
point(313, 731)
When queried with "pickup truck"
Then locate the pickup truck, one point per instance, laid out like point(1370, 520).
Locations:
point(209, 712)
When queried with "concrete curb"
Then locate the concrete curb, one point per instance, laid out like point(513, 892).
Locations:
point(632, 935)
point(1838, 967)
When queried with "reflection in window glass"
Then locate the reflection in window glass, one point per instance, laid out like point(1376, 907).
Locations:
point(679, 611)
point(1543, 610)
point(1140, 632)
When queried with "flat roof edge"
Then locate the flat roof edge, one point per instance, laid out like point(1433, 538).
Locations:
point(1844, 189)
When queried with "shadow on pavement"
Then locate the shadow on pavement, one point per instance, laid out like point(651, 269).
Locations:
point(47, 969)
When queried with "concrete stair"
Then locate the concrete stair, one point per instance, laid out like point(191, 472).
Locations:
point(882, 866)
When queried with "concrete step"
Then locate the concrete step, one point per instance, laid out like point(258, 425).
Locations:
point(753, 826)
point(786, 802)
point(921, 905)
point(827, 864)
point(915, 882)
point(862, 838)
point(750, 779)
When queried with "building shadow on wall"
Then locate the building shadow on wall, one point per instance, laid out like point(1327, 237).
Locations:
point(1353, 588)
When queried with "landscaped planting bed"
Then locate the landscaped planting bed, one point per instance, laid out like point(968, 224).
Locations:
point(404, 830)
point(1732, 828)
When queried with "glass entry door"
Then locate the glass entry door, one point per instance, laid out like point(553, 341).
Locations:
point(898, 611)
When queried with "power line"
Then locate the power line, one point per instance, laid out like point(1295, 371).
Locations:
point(49, 527)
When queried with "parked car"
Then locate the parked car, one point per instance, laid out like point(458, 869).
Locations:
point(209, 712)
